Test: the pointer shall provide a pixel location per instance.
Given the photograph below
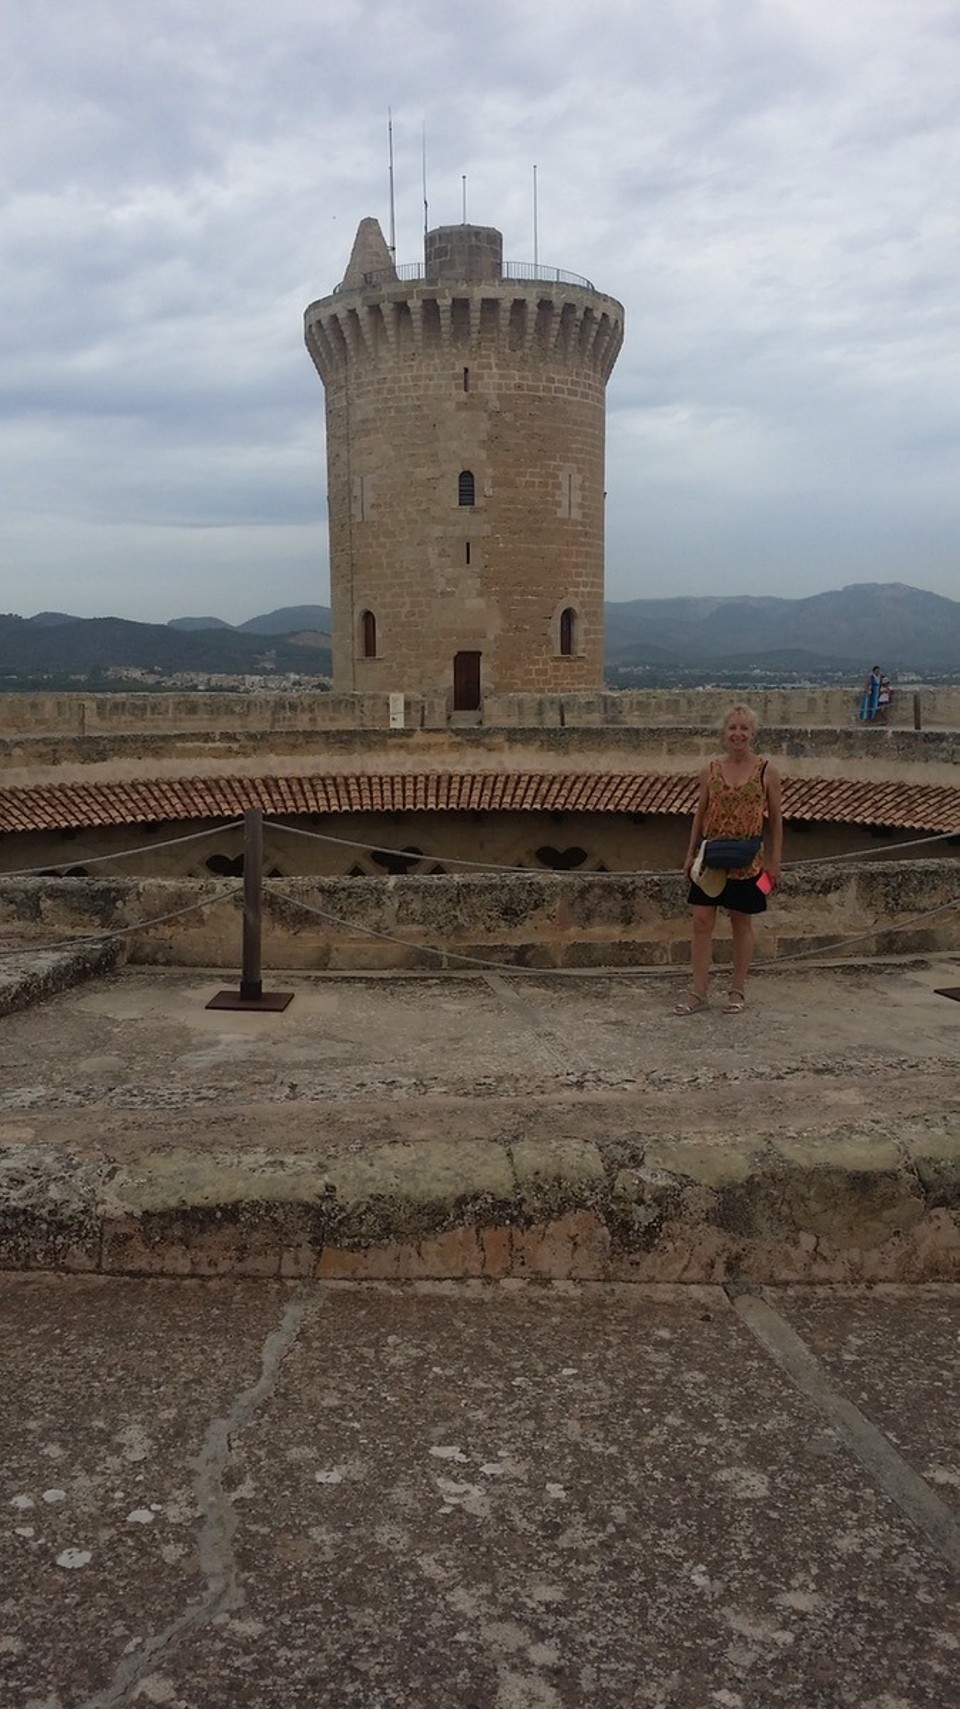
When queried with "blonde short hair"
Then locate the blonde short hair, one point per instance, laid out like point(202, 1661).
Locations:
point(741, 712)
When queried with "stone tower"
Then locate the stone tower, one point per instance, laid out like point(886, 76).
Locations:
point(465, 451)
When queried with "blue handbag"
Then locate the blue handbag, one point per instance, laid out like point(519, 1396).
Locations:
point(728, 853)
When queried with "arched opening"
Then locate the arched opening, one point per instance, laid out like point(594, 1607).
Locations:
point(568, 632)
point(368, 635)
point(466, 488)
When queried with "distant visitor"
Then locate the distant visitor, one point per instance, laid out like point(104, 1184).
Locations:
point(876, 699)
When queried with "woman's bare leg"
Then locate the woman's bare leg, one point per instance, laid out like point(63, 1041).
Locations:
point(741, 925)
point(701, 948)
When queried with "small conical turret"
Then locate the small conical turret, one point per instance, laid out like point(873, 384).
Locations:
point(370, 259)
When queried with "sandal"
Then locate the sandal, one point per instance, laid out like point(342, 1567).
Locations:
point(690, 1005)
point(735, 1004)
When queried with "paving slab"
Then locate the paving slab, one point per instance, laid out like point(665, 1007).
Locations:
point(484, 1125)
point(899, 1361)
point(110, 1402)
point(490, 1497)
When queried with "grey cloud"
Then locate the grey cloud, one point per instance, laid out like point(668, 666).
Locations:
point(762, 185)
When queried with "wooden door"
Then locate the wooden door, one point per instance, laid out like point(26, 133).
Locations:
point(466, 682)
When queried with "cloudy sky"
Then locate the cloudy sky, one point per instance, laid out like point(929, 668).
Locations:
point(769, 186)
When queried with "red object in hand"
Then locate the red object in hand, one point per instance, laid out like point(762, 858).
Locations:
point(765, 883)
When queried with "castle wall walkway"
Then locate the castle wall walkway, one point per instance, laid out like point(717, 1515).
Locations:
point(33, 756)
point(101, 714)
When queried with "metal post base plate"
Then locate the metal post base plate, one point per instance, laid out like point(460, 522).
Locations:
point(274, 1001)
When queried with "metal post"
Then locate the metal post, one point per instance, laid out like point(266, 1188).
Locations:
point(917, 721)
point(536, 234)
point(251, 987)
point(251, 994)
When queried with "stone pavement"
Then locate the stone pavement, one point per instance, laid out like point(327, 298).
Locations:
point(253, 1495)
point(488, 1125)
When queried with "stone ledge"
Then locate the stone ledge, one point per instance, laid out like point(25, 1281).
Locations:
point(33, 974)
point(528, 920)
point(852, 1209)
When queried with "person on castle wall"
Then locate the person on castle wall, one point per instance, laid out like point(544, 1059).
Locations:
point(739, 800)
point(870, 698)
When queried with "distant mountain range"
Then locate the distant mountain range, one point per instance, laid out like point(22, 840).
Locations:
point(902, 628)
point(289, 620)
point(54, 644)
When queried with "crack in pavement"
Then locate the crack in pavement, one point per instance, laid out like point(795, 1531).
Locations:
point(215, 1543)
point(859, 1435)
point(557, 1057)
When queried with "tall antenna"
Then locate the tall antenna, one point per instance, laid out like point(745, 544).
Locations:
point(536, 244)
point(423, 164)
point(393, 205)
point(463, 182)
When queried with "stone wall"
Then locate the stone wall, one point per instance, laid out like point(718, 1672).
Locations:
point(93, 716)
point(832, 708)
point(522, 920)
point(928, 756)
point(901, 756)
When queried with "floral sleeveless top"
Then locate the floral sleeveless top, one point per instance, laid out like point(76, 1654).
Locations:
point(736, 810)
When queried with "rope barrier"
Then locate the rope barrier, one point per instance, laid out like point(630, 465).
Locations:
point(867, 854)
point(403, 854)
point(456, 860)
point(445, 955)
point(510, 967)
point(862, 937)
point(550, 872)
point(122, 854)
point(253, 828)
point(385, 937)
point(122, 931)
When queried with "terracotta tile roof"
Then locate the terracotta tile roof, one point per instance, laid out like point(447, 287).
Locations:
point(906, 806)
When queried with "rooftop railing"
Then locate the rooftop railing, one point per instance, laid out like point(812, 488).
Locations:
point(520, 271)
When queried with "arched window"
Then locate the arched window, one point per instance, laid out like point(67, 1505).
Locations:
point(368, 635)
point(568, 632)
point(467, 488)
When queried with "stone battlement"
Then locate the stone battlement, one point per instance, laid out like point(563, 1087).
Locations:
point(527, 320)
point(78, 715)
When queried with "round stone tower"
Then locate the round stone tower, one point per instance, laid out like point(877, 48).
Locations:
point(465, 453)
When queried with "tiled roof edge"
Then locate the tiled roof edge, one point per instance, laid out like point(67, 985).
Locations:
point(909, 806)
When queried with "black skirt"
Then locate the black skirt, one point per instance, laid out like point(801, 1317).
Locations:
point(739, 895)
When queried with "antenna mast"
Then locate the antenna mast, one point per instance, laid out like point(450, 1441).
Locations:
point(423, 167)
point(393, 205)
point(463, 182)
point(536, 248)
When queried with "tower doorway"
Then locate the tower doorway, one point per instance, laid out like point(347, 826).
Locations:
point(466, 682)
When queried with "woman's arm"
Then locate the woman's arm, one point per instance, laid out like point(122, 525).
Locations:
point(699, 820)
point(775, 823)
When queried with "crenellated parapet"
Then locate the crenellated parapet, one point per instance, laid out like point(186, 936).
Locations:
point(515, 321)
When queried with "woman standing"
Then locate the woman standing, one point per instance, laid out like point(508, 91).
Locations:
point(739, 791)
point(870, 698)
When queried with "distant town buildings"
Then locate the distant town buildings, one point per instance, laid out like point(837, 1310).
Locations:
point(221, 681)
